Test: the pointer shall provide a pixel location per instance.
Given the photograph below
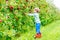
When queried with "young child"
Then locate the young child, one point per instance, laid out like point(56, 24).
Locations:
point(37, 21)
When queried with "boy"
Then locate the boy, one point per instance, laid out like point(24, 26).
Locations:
point(37, 21)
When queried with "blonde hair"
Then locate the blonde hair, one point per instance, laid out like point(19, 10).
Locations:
point(36, 9)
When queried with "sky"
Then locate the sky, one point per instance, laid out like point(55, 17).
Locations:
point(57, 3)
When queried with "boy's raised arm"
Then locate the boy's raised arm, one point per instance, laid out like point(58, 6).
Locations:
point(30, 14)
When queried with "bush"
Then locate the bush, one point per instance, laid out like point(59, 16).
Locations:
point(12, 15)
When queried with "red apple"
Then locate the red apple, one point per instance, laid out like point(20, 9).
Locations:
point(0, 20)
point(11, 8)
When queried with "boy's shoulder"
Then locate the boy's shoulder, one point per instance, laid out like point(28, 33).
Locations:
point(36, 14)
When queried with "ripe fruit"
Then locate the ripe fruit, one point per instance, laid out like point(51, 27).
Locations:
point(0, 20)
point(11, 8)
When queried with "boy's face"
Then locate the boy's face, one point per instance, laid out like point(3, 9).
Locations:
point(6, 2)
point(36, 10)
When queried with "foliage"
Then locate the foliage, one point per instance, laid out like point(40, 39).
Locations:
point(13, 15)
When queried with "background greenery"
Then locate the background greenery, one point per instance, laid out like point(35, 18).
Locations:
point(14, 22)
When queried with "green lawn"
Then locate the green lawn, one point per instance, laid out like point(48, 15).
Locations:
point(49, 32)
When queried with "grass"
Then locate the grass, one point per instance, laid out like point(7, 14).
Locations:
point(49, 32)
